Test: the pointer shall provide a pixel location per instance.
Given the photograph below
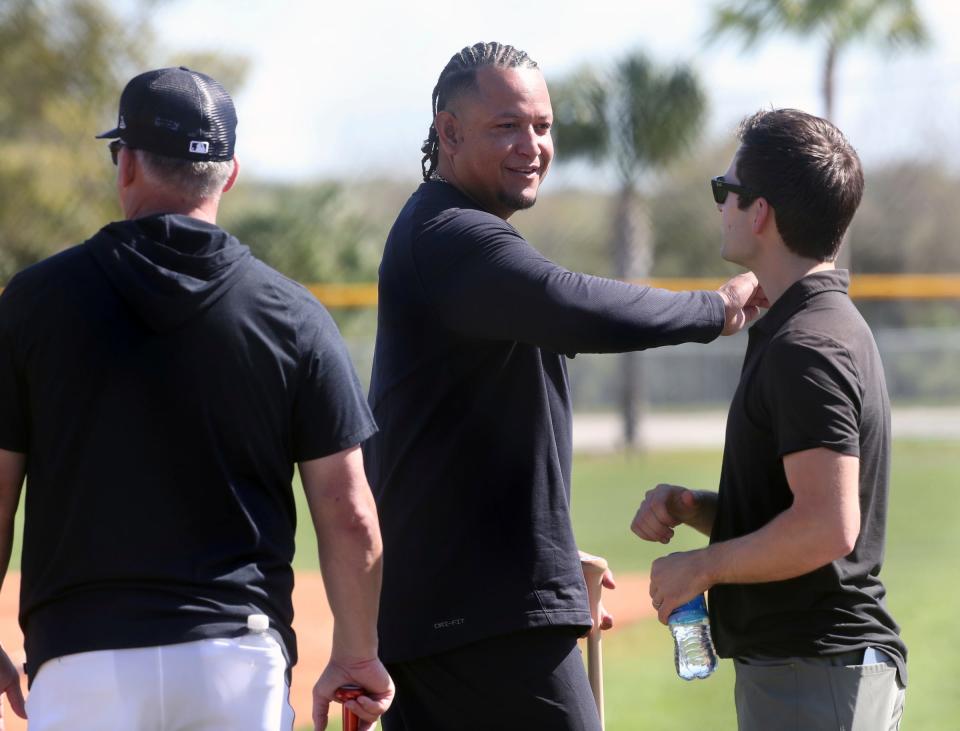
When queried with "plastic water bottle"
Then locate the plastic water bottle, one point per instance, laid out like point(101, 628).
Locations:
point(258, 633)
point(693, 651)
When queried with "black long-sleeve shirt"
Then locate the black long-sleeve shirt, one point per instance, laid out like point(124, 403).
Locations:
point(471, 468)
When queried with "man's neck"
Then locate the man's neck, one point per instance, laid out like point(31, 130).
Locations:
point(204, 210)
point(446, 173)
point(779, 274)
point(152, 208)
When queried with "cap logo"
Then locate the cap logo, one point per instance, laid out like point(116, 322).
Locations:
point(169, 124)
point(199, 147)
point(123, 123)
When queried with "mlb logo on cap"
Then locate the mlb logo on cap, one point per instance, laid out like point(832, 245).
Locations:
point(198, 147)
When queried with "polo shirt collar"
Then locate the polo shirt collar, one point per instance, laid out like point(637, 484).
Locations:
point(831, 280)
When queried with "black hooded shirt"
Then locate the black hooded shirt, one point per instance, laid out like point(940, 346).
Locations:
point(162, 382)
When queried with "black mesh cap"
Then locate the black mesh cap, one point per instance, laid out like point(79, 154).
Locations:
point(178, 113)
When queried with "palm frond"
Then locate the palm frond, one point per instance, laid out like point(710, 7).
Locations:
point(580, 118)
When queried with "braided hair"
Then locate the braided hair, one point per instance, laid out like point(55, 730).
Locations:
point(460, 74)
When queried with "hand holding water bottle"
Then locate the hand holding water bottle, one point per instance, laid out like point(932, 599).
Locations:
point(677, 578)
point(673, 579)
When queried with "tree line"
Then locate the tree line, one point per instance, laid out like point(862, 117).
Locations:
point(63, 62)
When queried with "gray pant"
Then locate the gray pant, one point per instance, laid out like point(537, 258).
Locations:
point(838, 693)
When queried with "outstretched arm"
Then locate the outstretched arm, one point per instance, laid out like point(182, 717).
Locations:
point(351, 552)
point(12, 470)
point(486, 281)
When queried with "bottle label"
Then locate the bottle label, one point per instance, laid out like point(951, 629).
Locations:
point(694, 610)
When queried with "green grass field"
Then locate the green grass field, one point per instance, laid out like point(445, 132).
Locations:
point(641, 689)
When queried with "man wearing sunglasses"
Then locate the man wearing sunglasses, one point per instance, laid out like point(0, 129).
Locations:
point(157, 385)
point(797, 529)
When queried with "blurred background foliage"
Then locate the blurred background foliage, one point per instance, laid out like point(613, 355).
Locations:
point(63, 64)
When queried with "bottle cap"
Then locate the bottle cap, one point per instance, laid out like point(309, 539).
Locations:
point(258, 622)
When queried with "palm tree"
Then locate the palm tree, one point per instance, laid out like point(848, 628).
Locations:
point(837, 23)
point(639, 118)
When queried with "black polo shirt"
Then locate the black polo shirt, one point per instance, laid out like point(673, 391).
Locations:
point(812, 377)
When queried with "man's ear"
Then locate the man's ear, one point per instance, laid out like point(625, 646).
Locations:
point(128, 167)
point(233, 176)
point(448, 132)
point(762, 215)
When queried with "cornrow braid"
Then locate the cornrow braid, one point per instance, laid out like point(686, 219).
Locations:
point(460, 75)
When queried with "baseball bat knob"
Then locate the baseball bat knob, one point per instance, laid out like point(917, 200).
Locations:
point(347, 693)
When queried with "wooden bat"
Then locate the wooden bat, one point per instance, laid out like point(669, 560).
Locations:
point(593, 569)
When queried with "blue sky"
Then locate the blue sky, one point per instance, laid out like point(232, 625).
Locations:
point(343, 88)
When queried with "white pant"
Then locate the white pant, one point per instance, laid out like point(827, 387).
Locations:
point(209, 685)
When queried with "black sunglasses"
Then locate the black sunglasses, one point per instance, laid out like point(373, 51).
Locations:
point(721, 187)
point(114, 148)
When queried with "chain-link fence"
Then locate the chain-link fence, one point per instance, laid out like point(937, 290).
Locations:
point(921, 364)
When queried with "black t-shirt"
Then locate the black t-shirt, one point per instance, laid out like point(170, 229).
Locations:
point(812, 377)
point(162, 383)
point(471, 468)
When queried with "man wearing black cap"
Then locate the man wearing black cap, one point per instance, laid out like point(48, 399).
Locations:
point(157, 384)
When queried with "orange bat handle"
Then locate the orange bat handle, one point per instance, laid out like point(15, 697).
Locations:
point(348, 693)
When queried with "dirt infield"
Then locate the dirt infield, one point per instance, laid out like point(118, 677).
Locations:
point(313, 624)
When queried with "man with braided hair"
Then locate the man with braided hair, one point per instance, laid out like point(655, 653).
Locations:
point(483, 596)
